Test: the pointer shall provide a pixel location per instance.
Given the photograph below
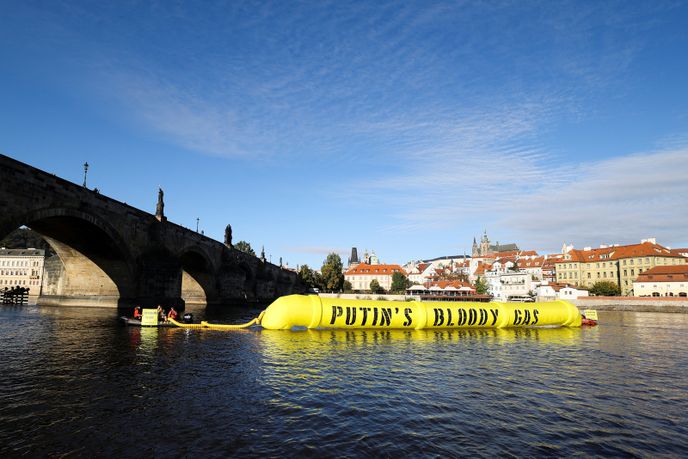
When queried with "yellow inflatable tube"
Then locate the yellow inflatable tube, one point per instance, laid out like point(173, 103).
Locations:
point(314, 312)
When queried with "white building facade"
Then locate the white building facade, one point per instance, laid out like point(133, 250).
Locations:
point(362, 275)
point(662, 281)
point(504, 283)
point(22, 268)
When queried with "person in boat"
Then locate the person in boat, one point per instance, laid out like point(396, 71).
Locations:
point(172, 314)
point(161, 313)
point(137, 313)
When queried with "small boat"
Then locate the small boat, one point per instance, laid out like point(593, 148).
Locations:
point(124, 320)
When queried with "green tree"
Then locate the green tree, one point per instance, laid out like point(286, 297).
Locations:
point(332, 273)
point(399, 282)
point(605, 288)
point(375, 287)
point(348, 287)
point(309, 277)
point(481, 287)
point(245, 247)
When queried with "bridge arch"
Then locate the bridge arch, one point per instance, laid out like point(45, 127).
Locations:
point(198, 277)
point(94, 266)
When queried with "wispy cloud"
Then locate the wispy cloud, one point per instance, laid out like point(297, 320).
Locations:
point(629, 197)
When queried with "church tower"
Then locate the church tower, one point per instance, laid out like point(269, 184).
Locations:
point(484, 245)
point(474, 251)
point(353, 259)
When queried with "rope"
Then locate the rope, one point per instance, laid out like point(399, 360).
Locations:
point(225, 327)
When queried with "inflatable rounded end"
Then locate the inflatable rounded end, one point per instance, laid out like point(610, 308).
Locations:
point(292, 311)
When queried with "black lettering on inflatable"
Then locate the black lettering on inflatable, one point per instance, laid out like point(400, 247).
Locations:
point(449, 318)
point(535, 316)
point(439, 317)
point(407, 314)
point(495, 314)
point(396, 310)
point(386, 318)
point(517, 317)
point(526, 317)
point(336, 312)
point(374, 316)
point(462, 317)
point(483, 317)
point(472, 316)
point(350, 315)
point(365, 314)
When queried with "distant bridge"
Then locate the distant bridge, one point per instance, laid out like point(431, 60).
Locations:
point(111, 254)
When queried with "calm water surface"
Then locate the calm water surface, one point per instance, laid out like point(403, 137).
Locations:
point(75, 384)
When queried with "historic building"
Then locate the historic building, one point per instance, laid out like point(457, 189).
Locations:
point(619, 264)
point(362, 275)
point(485, 249)
point(662, 281)
point(22, 268)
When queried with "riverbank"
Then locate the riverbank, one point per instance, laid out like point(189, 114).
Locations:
point(633, 304)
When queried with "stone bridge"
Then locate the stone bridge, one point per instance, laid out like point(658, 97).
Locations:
point(112, 254)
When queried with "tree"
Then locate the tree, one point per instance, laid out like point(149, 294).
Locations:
point(375, 287)
point(332, 273)
point(399, 282)
point(310, 278)
point(244, 247)
point(481, 286)
point(605, 288)
point(348, 287)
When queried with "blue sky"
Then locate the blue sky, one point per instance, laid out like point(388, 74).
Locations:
point(401, 127)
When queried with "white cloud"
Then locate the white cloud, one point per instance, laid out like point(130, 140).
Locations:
point(629, 197)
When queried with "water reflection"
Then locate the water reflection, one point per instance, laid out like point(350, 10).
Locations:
point(72, 380)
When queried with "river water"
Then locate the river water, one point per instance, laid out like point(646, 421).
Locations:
point(75, 384)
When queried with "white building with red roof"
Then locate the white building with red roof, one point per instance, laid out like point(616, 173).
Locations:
point(662, 281)
point(362, 275)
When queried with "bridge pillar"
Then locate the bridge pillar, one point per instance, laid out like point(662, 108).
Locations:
point(159, 282)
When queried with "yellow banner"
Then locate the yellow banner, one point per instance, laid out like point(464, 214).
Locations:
point(149, 318)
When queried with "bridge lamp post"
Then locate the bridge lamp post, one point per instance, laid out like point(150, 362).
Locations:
point(85, 172)
point(197, 220)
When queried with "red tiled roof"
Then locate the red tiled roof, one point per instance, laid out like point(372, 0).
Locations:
point(675, 273)
point(423, 266)
point(646, 249)
point(366, 269)
point(445, 284)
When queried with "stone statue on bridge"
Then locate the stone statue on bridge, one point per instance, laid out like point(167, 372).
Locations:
point(228, 236)
point(160, 208)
